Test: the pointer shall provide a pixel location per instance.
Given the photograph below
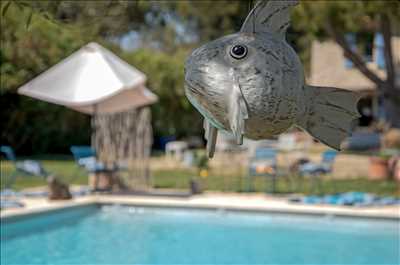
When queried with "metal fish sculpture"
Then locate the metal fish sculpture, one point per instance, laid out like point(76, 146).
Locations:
point(252, 84)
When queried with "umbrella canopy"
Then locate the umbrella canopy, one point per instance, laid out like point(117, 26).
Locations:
point(91, 80)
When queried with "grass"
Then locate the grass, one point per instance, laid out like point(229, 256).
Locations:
point(238, 183)
point(217, 180)
point(65, 169)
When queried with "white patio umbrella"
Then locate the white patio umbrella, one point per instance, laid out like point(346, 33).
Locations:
point(92, 80)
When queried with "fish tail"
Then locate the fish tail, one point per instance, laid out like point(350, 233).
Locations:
point(330, 114)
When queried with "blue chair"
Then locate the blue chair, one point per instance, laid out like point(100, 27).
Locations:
point(85, 156)
point(317, 170)
point(263, 157)
point(24, 167)
point(325, 167)
point(263, 163)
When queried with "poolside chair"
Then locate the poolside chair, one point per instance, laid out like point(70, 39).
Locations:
point(24, 167)
point(317, 170)
point(10, 204)
point(263, 163)
point(325, 167)
point(85, 156)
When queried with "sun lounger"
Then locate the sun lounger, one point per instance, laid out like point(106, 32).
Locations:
point(28, 167)
point(35, 194)
point(9, 193)
point(21, 168)
point(9, 204)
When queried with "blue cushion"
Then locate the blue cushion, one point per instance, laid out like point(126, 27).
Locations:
point(314, 169)
point(81, 151)
point(8, 152)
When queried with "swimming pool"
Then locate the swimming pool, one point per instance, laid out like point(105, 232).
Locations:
point(101, 234)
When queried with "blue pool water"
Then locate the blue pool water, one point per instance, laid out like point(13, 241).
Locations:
point(116, 235)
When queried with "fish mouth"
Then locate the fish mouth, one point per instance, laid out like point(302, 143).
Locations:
point(206, 102)
point(192, 92)
point(195, 86)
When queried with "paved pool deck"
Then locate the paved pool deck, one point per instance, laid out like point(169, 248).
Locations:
point(212, 201)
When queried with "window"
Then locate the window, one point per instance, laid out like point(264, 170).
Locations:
point(379, 50)
point(351, 40)
point(362, 43)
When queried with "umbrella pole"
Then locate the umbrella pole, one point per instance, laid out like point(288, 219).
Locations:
point(94, 129)
point(93, 177)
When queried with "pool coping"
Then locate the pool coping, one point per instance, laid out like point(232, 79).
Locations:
point(225, 202)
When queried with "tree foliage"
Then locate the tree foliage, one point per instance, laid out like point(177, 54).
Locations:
point(173, 114)
point(32, 42)
point(37, 34)
point(29, 124)
point(332, 19)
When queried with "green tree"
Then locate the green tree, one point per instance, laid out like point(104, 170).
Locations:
point(37, 35)
point(332, 19)
point(26, 51)
point(172, 115)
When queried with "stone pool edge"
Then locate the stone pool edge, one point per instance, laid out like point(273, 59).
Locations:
point(226, 202)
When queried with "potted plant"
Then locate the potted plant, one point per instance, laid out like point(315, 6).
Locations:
point(201, 163)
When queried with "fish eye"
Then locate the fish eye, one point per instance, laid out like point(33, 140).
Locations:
point(238, 52)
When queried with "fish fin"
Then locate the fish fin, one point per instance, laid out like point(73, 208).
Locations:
point(211, 136)
point(237, 113)
point(330, 114)
point(269, 16)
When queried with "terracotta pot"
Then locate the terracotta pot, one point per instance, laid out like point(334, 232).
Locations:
point(394, 167)
point(378, 168)
point(397, 174)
